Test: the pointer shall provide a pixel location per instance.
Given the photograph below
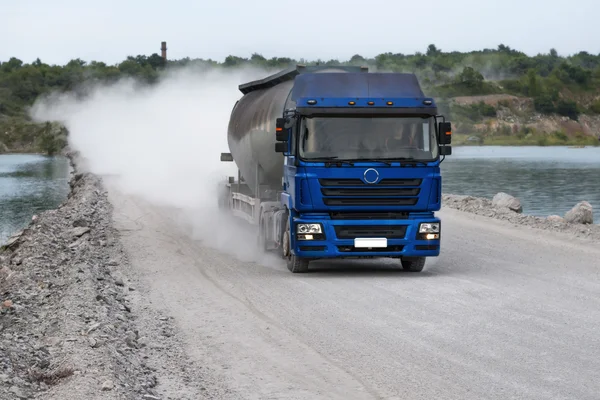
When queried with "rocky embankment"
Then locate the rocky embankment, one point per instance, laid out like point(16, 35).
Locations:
point(65, 311)
point(68, 329)
point(578, 221)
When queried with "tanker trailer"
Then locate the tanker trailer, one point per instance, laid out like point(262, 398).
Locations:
point(338, 163)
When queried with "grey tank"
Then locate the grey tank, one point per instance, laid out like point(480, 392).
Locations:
point(251, 133)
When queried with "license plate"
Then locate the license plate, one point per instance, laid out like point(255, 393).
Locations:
point(370, 242)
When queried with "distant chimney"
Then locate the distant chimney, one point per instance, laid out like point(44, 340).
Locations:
point(163, 49)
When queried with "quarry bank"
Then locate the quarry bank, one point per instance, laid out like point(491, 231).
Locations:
point(68, 321)
point(70, 327)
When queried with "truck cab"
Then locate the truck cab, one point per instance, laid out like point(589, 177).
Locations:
point(362, 169)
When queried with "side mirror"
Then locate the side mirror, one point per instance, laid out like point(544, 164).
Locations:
point(281, 147)
point(226, 157)
point(281, 133)
point(445, 133)
point(445, 150)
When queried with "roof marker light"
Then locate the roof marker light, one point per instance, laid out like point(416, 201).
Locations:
point(427, 102)
point(351, 103)
point(390, 103)
point(312, 102)
point(371, 103)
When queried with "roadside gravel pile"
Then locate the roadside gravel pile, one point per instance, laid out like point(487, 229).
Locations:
point(66, 326)
point(577, 222)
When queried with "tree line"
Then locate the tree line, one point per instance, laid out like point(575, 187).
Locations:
point(560, 85)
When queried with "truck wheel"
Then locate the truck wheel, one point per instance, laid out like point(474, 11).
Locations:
point(294, 263)
point(297, 265)
point(413, 264)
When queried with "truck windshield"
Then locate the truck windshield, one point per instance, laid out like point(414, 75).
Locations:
point(368, 138)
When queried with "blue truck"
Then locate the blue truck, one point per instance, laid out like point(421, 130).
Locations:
point(338, 162)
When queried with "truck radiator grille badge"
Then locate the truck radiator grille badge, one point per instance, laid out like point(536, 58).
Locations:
point(371, 175)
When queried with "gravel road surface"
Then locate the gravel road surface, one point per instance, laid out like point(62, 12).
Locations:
point(506, 312)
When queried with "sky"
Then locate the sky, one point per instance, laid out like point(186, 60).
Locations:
point(60, 30)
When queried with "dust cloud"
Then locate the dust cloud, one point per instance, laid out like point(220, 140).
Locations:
point(161, 143)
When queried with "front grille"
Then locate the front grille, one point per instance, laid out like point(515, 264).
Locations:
point(352, 249)
point(359, 182)
point(367, 215)
point(426, 247)
point(367, 231)
point(371, 191)
point(369, 202)
point(313, 248)
point(355, 192)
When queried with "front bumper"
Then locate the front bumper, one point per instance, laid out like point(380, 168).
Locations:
point(402, 235)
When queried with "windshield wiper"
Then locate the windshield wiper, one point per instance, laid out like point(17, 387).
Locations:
point(384, 161)
point(328, 161)
point(349, 161)
point(333, 160)
point(406, 160)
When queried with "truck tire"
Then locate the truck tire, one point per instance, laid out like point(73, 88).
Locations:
point(413, 264)
point(294, 263)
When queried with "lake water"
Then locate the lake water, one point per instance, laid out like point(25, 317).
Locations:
point(30, 184)
point(547, 180)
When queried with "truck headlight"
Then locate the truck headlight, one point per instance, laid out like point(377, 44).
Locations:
point(309, 228)
point(429, 227)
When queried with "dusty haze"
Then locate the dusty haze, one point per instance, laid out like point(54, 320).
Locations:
point(161, 143)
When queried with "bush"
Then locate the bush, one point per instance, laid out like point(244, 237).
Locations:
point(486, 110)
point(514, 86)
point(567, 108)
point(595, 107)
point(560, 135)
point(505, 130)
point(473, 112)
point(544, 104)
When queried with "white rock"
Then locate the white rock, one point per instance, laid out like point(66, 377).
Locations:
point(505, 200)
point(580, 214)
point(555, 218)
point(80, 231)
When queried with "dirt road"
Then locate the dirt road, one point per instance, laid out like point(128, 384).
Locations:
point(504, 313)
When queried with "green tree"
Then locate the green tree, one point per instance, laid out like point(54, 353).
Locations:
point(432, 51)
point(257, 58)
point(470, 78)
point(532, 83)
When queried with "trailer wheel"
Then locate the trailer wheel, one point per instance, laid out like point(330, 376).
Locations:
point(294, 263)
point(413, 264)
